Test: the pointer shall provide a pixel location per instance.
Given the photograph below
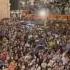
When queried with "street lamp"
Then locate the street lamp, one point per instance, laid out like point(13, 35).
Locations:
point(43, 14)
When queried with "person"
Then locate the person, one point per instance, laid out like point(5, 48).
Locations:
point(2, 64)
point(12, 65)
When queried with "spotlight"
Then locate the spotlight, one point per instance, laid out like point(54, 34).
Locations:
point(43, 13)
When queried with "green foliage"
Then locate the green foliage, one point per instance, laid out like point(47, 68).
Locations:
point(14, 4)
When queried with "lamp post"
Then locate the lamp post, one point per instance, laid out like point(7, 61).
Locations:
point(43, 14)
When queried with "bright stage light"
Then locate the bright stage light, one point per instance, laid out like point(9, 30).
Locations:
point(43, 13)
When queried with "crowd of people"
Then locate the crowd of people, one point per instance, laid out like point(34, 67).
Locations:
point(34, 48)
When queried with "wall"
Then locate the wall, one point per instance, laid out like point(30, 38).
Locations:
point(4, 9)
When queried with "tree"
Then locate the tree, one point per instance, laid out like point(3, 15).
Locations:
point(14, 4)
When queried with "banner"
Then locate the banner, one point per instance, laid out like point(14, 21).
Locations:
point(49, 17)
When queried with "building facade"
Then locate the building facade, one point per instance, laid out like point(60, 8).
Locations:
point(4, 9)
